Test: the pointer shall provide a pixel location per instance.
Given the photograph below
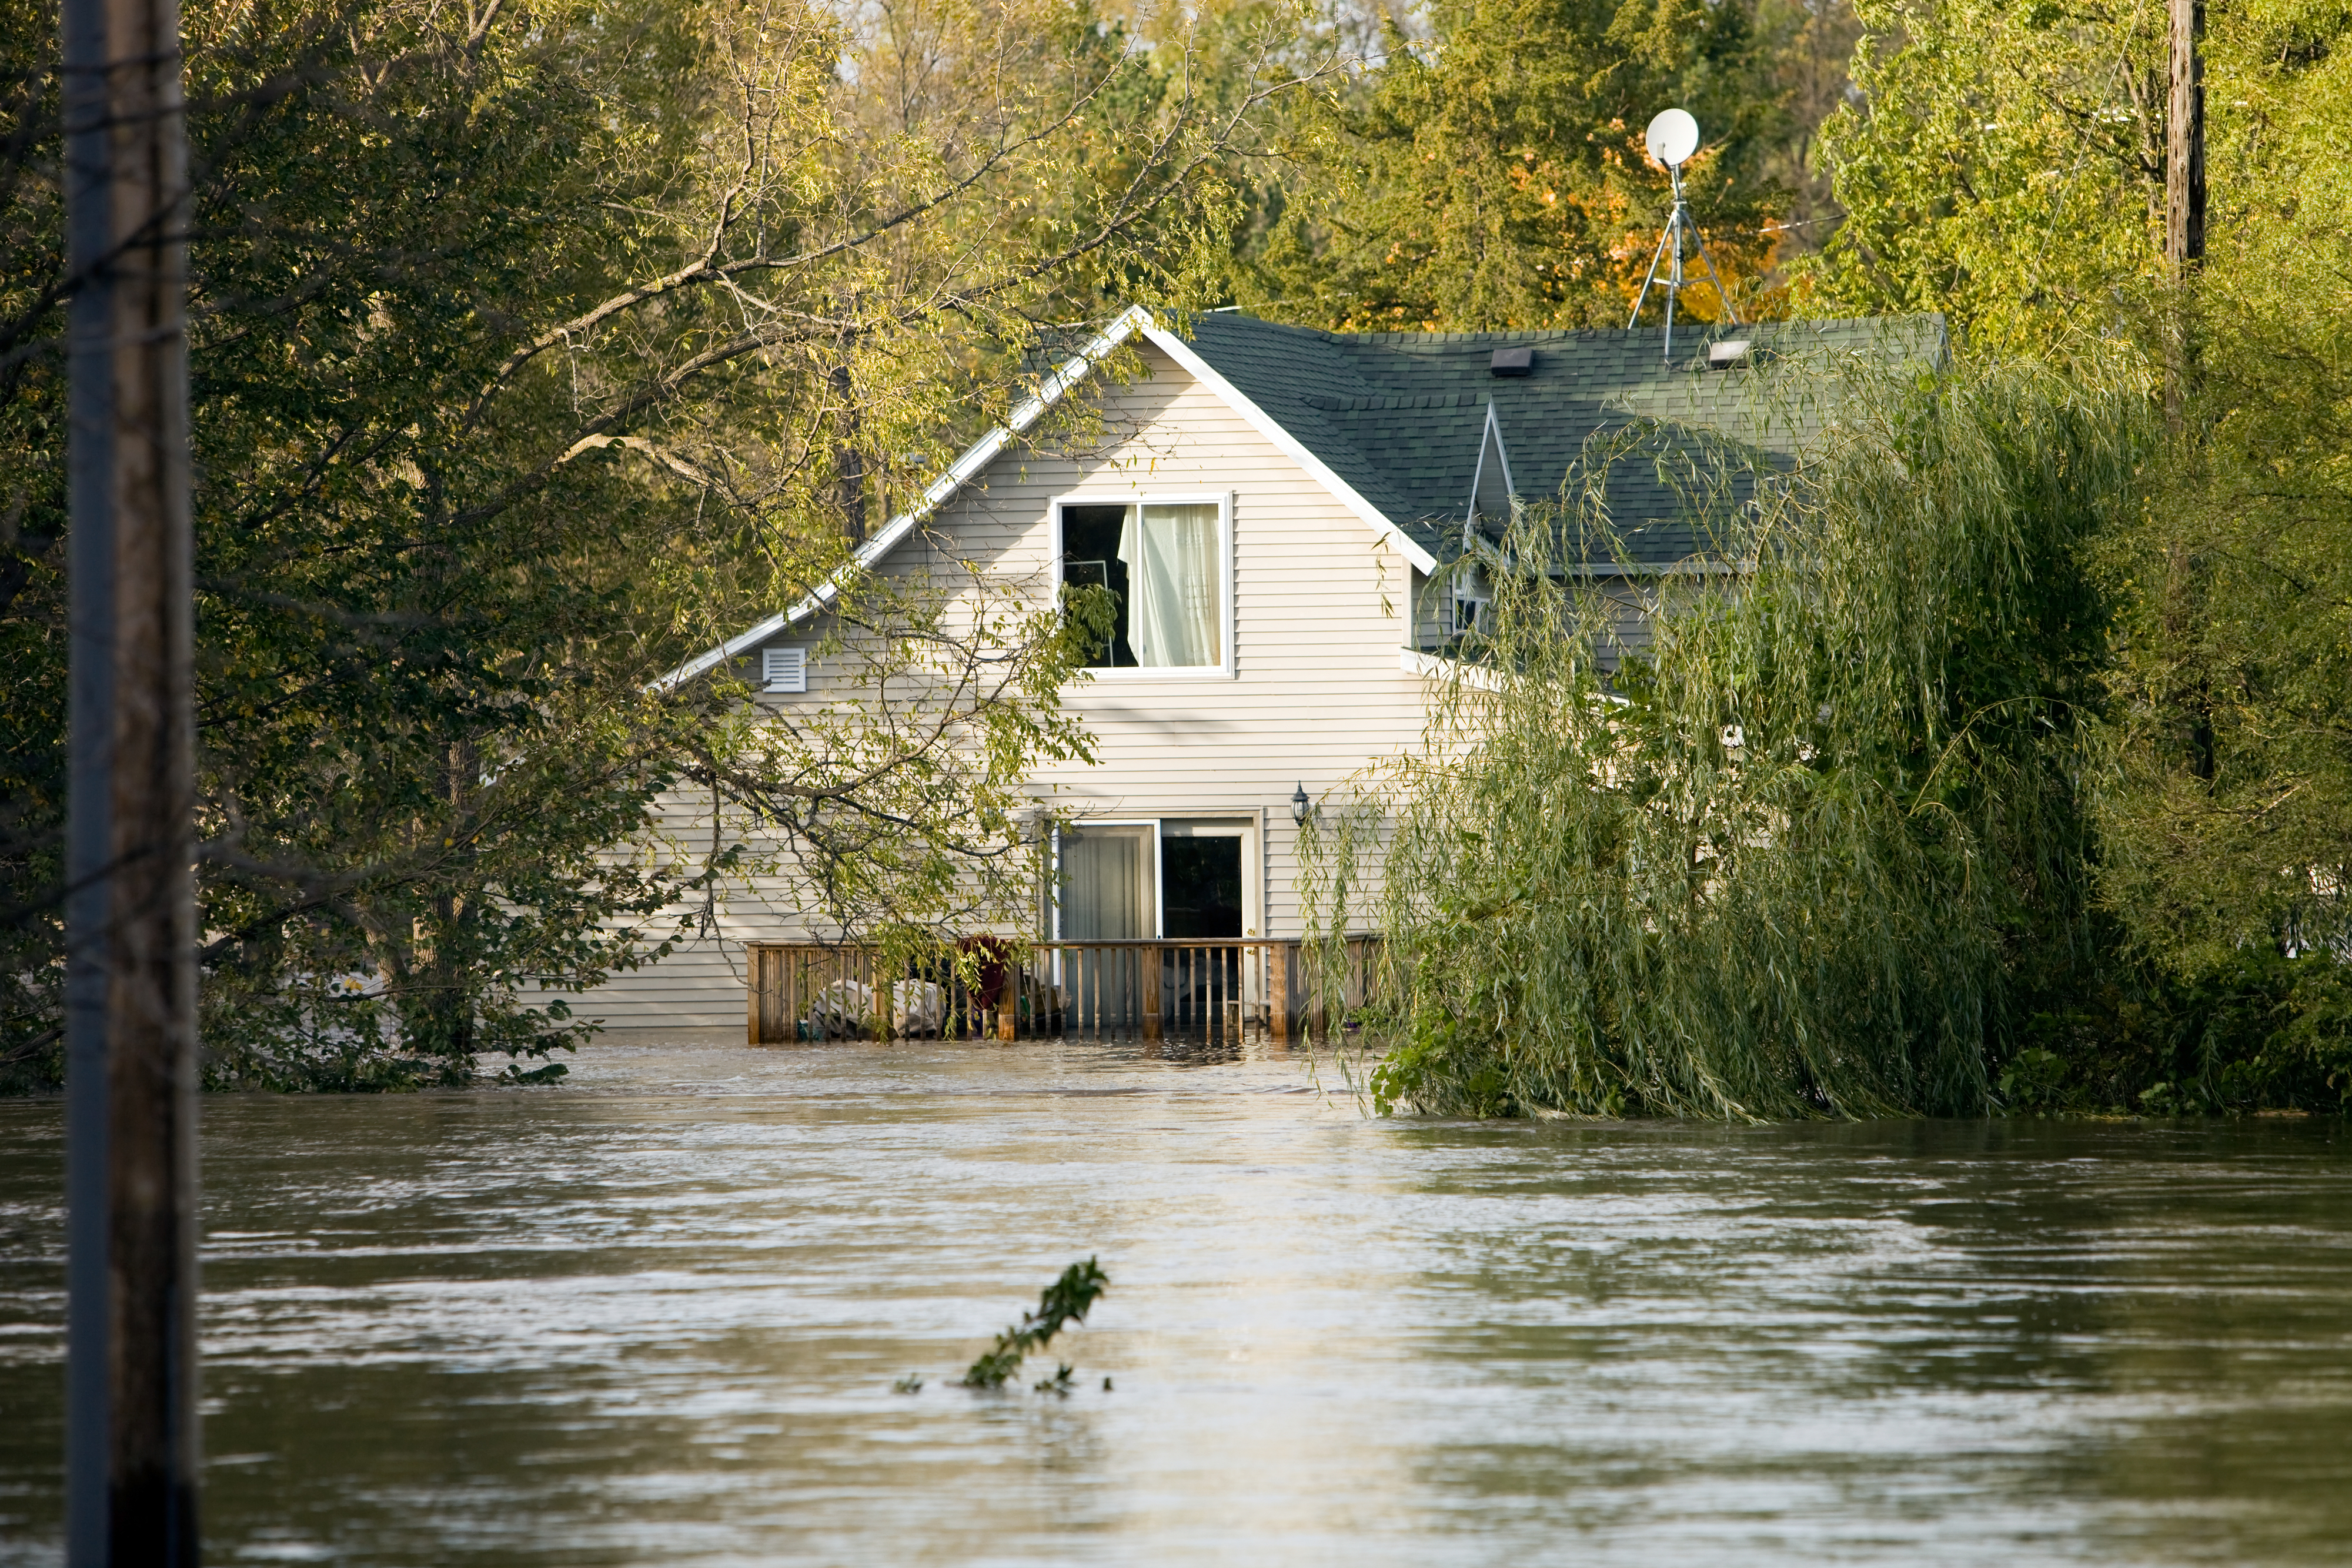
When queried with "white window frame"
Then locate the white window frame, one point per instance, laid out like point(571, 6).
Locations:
point(1223, 501)
point(1249, 826)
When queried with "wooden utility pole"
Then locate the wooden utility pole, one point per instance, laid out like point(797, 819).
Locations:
point(130, 1157)
point(2184, 190)
point(2184, 172)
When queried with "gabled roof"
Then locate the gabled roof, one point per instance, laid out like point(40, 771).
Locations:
point(1401, 414)
point(959, 473)
point(1394, 424)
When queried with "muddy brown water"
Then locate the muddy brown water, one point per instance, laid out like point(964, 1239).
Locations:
point(653, 1317)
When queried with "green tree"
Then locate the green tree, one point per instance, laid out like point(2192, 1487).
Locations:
point(1809, 45)
point(2003, 164)
point(2229, 817)
point(1815, 853)
point(1492, 175)
point(2006, 166)
point(535, 345)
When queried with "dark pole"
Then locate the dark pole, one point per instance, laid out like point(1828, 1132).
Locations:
point(130, 1429)
point(850, 467)
point(2184, 172)
point(2184, 188)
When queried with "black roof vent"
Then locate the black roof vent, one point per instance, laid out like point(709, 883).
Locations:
point(1512, 363)
point(1730, 354)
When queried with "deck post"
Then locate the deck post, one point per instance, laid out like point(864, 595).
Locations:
point(795, 971)
point(1151, 992)
point(751, 997)
point(774, 1015)
point(1277, 985)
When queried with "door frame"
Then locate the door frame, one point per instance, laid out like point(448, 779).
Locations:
point(1247, 826)
point(1158, 912)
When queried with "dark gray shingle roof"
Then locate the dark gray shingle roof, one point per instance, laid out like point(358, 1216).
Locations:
point(1399, 415)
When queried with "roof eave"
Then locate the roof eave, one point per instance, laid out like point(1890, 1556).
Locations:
point(958, 474)
point(984, 451)
point(1266, 424)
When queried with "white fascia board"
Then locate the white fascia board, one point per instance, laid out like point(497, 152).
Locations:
point(1176, 348)
point(959, 473)
point(1502, 452)
point(1478, 677)
point(1437, 667)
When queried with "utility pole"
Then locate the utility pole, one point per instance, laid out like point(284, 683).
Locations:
point(2184, 169)
point(2184, 190)
point(2184, 248)
point(130, 1156)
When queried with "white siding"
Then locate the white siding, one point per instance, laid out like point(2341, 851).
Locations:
point(1315, 694)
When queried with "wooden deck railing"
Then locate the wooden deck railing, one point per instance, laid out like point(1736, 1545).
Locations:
point(1212, 992)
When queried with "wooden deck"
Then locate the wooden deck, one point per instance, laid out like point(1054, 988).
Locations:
point(1209, 992)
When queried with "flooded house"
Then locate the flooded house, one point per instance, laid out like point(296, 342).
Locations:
point(1285, 517)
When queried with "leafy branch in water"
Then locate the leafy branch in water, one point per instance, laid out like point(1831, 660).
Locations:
point(1066, 1301)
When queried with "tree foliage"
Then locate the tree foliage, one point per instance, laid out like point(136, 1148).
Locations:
point(2229, 819)
point(1064, 1301)
point(2002, 164)
point(1813, 853)
point(1492, 175)
point(902, 810)
point(2006, 166)
point(533, 346)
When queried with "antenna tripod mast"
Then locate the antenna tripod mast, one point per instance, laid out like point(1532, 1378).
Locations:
point(1672, 138)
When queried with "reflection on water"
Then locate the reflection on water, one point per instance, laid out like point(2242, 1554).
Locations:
point(653, 1317)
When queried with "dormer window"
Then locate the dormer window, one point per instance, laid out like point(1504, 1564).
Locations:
point(1472, 608)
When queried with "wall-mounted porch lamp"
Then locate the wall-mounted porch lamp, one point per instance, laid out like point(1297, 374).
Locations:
point(1301, 807)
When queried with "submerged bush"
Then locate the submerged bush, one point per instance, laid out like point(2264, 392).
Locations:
point(1819, 847)
point(1064, 1301)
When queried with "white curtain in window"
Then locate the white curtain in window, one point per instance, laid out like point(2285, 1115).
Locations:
point(1105, 884)
point(1175, 583)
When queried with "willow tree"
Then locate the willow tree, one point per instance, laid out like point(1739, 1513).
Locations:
point(2005, 164)
point(1807, 854)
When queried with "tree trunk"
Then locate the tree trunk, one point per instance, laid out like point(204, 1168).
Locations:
point(849, 466)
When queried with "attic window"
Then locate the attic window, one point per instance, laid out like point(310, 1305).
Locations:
point(1512, 363)
point(785, 669)
point(1730, 354)
point(1164, 563)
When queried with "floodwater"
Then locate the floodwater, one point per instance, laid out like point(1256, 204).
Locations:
point(654, 1316)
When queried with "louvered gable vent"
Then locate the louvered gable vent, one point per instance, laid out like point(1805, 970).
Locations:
point(786, 669)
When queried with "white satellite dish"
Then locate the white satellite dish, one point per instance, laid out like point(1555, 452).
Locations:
point(1672, 137)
